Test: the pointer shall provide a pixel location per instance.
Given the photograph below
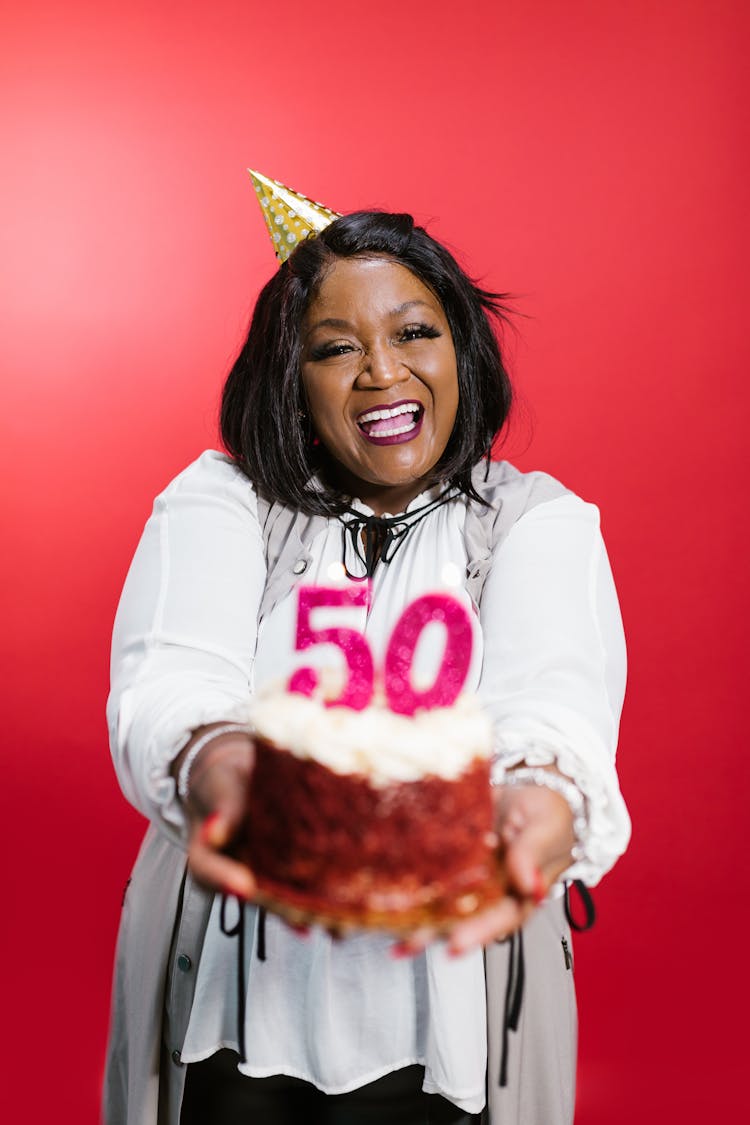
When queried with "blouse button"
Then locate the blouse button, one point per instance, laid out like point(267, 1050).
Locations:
point(300, 566)
point(184, 964)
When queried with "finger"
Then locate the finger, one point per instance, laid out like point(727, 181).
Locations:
point(215, 831)
point(532, 867)
point(490, 925)
point(219, 872)
point(415, 943)
point(524, 870)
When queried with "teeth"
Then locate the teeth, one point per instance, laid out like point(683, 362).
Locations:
point(398, 430)
point(376, 415)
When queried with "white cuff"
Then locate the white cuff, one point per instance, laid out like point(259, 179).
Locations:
point(608, 824)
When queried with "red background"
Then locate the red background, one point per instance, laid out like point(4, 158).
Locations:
point(587, 156)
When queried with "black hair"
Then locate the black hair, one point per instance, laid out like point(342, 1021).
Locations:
point(264, 422)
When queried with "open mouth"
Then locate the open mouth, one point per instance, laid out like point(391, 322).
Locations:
point(396, 422)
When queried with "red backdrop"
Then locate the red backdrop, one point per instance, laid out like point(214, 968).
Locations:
point(586, 156)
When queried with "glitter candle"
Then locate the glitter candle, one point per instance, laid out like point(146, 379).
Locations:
point(402, 696)
point(444, 609)
point(357, 691)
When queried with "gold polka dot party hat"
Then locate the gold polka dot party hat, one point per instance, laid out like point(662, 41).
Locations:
point(289, 216)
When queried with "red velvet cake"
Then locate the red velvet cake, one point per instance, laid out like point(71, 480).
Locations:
point(370, 819)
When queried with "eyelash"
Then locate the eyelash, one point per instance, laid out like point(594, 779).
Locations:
point(327, 351)
point(408, 334)
point(419, 332)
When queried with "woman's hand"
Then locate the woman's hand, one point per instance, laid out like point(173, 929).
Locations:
point(535, 828)
point(215, 808)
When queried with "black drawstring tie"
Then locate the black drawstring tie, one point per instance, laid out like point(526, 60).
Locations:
point(584, 895)
point(238, 931)
point(517, 968)
point(260, 947)
point(513, 998)
point(383, 535)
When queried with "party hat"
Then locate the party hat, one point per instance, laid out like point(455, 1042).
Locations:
point(289, 216)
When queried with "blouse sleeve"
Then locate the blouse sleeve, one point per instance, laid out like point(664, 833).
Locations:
point(553, 675)
point(185, 631)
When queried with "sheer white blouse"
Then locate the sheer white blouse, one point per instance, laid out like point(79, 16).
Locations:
point(548, 663)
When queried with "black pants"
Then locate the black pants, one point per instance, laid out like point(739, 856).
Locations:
point(217, 1094)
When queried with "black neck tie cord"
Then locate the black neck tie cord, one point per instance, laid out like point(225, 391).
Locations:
point(383, 535)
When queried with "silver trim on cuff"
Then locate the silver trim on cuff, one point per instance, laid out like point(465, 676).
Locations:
point(183, 777)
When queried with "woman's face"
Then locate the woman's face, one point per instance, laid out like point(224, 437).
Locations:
point(379, 372)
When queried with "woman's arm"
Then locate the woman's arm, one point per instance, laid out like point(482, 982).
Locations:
point(553, 677)
point(185, 632)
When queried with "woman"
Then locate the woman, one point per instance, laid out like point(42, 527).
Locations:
point(370, 386)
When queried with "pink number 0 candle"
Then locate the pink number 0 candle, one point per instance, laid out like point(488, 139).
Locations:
point(402, 696)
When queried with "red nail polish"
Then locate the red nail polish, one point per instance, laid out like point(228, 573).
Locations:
point(208, 826)
point(539, 892)
point(233, 892)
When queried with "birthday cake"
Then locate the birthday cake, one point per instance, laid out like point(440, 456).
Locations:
point(371, 819)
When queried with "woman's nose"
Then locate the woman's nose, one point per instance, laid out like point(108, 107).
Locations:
point(382, 367)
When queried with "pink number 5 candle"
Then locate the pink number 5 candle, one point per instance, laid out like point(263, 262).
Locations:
point(358, 689)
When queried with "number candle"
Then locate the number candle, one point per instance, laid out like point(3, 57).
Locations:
point(451, 676)
point(402, 696)
point(358, 689)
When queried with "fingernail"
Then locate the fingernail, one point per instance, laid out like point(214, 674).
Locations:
point(401, 950)
point(539, 891)
point(243, 893)
point(209, 834)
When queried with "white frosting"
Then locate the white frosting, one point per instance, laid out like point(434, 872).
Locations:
point(381, 745)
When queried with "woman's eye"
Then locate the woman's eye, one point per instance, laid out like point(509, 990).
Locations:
point(419, 332)
point(326, 351)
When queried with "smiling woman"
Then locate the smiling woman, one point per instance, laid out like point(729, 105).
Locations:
point(359, 417)
point(374, 303)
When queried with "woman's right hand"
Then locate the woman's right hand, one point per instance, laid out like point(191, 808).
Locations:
point(215, 808)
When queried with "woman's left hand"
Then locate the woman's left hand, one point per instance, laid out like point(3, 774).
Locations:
point(535, 828)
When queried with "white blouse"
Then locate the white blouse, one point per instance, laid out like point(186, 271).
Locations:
point(548, 662)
